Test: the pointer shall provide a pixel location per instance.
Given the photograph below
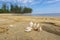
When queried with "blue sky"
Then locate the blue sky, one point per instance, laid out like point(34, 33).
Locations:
point(38, 6)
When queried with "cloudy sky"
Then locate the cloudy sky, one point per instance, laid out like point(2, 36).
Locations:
point(38, 6)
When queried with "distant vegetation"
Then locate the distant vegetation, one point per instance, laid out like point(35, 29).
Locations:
point(15, 9)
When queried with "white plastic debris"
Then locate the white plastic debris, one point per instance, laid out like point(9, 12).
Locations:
point(37, 25)
point(11, 25)
point(28, 29)
point(31, 24)
point(40, 29)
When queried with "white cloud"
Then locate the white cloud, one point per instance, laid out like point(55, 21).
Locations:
point(32, 2)
point(36, 2)
point(27, 1)
point(52, 1)
point(21, 1)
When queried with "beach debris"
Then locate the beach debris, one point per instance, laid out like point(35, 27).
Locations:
point(31, 24)
point(40, 28)
point(28, 29)
point(36, 27)
point(11, 25)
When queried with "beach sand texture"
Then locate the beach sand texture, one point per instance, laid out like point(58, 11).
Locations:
point(50, 26)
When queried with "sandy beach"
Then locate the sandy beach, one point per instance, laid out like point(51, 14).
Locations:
point(50, 26)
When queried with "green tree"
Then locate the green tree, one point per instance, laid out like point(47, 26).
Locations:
point(1, 11)
point(27, 10)
point(4, 8)
point(15, 9)
point(12, 10)
point(20, 10)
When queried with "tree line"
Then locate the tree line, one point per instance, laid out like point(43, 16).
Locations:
point(15, 9)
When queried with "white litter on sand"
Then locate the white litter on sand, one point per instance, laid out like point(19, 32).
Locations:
point(28, 29)
point(31, 24)
point(34, 26)
point(40, 28)
point(11, 25)
point(37, 25)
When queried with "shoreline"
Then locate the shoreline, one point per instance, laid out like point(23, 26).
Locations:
point(12, 14)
